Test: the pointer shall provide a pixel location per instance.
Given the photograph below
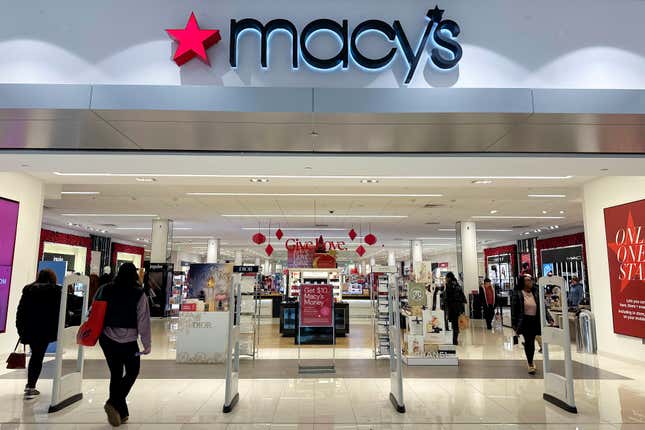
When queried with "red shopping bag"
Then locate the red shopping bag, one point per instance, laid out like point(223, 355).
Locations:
point(89, 332)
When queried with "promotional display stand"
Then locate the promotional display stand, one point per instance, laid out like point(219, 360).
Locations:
point(316, 310)
point(67, 389)
point(558, 389)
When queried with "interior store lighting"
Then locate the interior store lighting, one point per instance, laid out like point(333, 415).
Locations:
point(356, 177)
point(111, 215)
point(548, 196)
point(310, 216)
point(208, 194)
point(487, 230)
point(514, 217)
point(80, 193)
point(150, 228)
point(298, 228)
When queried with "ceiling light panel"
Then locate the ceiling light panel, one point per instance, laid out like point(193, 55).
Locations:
point(208, 194)
point(312, 216)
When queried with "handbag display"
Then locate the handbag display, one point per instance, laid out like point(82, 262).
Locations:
point(464, 322)
point(90, 331)
point(17, 360)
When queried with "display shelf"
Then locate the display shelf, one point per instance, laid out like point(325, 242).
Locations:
point(298, 276)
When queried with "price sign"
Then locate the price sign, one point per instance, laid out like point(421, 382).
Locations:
point(316, 306)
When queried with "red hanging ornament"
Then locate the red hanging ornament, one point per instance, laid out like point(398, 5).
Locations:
point(352, 234)
point(279, 234)
point(360, 250)
point(370, 239)
point(269, 250)
point(259, 238)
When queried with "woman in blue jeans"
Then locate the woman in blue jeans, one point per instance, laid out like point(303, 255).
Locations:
point(127, 318)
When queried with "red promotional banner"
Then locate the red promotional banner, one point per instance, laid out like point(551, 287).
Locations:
point(625, 232)
point(316, 305)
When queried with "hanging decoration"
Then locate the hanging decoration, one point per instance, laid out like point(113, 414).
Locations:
point(352, 234)
point(370, 239)
point(279, 233)
point(360, 250)
point(259, 238)
point(269, 250)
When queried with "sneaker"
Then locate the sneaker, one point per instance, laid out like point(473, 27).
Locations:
point(124, 419)
point(31, 393)
point(532, 369)
point(113, 416)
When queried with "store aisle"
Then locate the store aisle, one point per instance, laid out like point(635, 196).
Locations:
point(345, 403)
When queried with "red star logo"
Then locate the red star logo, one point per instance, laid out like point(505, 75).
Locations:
point(614, 247)
point(193, 41)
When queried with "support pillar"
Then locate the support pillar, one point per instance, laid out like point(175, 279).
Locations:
point(416, 258)
point(467, 255)
point(212, 253)
point(238, 258)
point(372, 264)
point(161, 243)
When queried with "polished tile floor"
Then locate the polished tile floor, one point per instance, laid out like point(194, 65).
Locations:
point(348, 403)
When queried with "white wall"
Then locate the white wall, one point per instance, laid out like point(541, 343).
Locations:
point(598, 195)
point(29, 193)
point(506, 43)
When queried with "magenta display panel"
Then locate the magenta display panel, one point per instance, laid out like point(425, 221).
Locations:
point(8, 226)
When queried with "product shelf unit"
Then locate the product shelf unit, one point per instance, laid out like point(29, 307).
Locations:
point(249, 316)
point(299, 276)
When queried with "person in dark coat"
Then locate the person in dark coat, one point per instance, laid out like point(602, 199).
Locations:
point(454, 301)
point(37, 323)
point(525, 317)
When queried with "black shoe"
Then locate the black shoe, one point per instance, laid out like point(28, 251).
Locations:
point(113, 416)
point(31, 393)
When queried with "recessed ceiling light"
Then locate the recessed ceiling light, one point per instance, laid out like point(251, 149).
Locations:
point(482, 182)
point(545, 212)
point(494, 230)
point(561, 212)
point(447, 229)
point(369, 181)
point(80, 193)
point(143, 179)
point(494, 211)
point(259, 180)
point(548, 196)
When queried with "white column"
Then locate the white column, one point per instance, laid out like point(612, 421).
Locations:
point(267, 267)
point(238, 258)
point(212, 252)
point(363, 270)
point(467, 254)
point(160, 244)
point(257, 261)
point(597, 195)
point(416, 256)
point(391, 258)
point(29, 193)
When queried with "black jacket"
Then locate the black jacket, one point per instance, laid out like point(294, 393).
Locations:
point(454, 300)
point(38, 310)
point(517, 311)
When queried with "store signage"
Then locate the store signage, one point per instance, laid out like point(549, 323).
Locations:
point(441, 34)
point(316, 305)
point(295, 244)
point(625, 234)
point(8, 226)
point(246, 269)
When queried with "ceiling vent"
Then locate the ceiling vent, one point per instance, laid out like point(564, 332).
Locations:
point(107, 225)
point(432, 205)
point(322, 225)
point(433, 223)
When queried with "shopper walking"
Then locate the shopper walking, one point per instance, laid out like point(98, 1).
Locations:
point(37, 323)
point(487, 297)
point(454, 302)
point(576, 293)
point(525, 317)
point(127, 317)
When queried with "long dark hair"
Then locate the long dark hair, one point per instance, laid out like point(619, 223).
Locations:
point(451, 278)
point(127, 276)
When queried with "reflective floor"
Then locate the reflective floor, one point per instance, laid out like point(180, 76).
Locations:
point(350, 402)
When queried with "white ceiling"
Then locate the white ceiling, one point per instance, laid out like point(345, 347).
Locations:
point(199, 217)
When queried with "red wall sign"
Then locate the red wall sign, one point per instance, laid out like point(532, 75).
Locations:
point(625, 232)
point(316, 305)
